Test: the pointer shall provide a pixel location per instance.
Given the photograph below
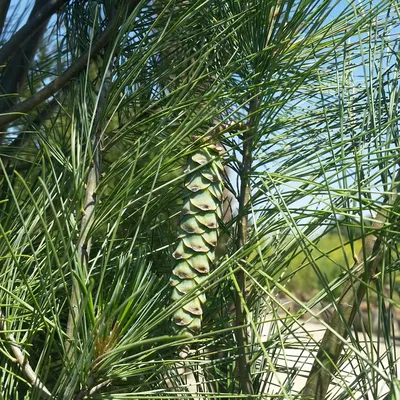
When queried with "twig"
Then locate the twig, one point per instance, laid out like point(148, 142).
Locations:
point(244, 375)
point(342, 318)
point(49, 90)
point(23, 362)
point(84, 243)
point(34, 23)
point(93, 390)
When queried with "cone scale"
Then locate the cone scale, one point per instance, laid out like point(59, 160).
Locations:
point(198, 232)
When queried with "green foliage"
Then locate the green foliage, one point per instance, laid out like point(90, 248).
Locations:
point(93, 175)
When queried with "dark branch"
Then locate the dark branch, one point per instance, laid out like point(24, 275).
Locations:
point(35, 22)
point(15, 72)
point(4, 6)
point(244, 375)
point(49, 90)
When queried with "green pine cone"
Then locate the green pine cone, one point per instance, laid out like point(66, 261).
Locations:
point(195, 253)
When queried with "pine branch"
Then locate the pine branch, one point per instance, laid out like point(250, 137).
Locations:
point(89, 204)
point(15, 72)
point(22, 361)
point(34, 23)
point(61, 81)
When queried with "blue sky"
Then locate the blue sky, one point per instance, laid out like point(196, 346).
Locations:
point(27, 4)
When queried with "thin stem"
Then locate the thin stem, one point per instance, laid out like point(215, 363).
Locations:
point(23, 362)
point(244, 375)
point(93, 390)
point(90, 200)
point(342, 318)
